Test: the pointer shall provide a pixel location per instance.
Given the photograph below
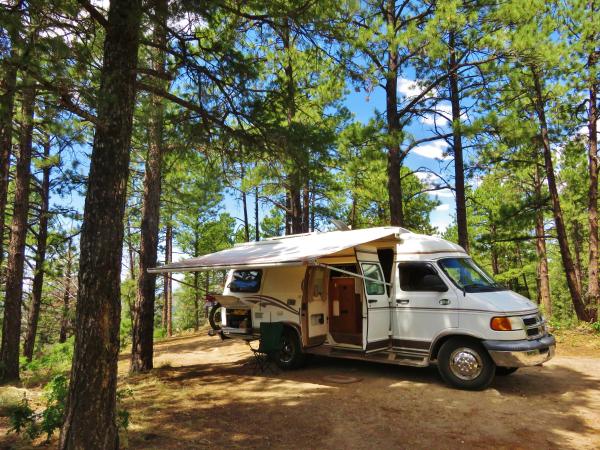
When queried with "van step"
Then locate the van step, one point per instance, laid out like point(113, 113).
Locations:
point(385, 356)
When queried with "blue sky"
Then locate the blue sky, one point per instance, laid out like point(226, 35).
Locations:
point(430, 156)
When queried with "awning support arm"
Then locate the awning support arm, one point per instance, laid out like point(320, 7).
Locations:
point(352, 274)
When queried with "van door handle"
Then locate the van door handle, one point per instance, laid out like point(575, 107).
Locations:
point(372, 300)
point(444, 301)
point(402, 301)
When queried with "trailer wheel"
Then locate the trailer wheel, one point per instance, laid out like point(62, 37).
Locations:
point(502, 371)
point(465, 364)
point(290, 356)
point(214, 317)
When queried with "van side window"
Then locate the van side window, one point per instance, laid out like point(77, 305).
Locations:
point(374, 272)
point(245, 281)
point(420, 277)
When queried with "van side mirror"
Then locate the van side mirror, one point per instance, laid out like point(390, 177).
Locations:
point(432, 282)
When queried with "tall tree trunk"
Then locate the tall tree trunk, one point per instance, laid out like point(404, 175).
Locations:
point(131, 252)
point(593, 291)
point(64, 322)
point(393, 126)
point(90, 415)
point(296, 211)
point(459, 167)
point(197, 300)
point(168, 280)
point(294, 177)
point(8, 85)
point(246, 223)
point(578, 250)
point(494, 251)
point(565, 252)
point(540, 248)
point(40, 258)
point(521, 266)
point(142, 347)
point(288, 210)
point(306, 208)
point(11, 326)
point(256, 222)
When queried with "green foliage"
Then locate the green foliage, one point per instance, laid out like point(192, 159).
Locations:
point(54, 361)
point(24, 420)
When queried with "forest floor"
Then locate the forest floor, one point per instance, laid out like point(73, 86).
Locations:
point(203, 394)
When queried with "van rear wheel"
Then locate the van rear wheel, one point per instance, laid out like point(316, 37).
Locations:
point(290, 356)
point(465, 364)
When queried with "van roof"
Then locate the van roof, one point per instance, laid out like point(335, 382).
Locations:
point(307, 248)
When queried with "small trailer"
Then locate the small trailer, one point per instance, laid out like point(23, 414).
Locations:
point(379, 294)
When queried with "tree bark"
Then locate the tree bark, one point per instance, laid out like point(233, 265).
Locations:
point(168, 282)
point(11, 326)
point(245, 209)
point(494, 251)
point(8, 86)
point(256, 222)
point(288, 215)
point(565, 252)
point(142, 348)
point(90, 415)
point(593, 291)
point(459, 167)
point(64, 322)
point(540, 248)
point(393, 126)
point(197, 300)
point(306, 208)
point(40, 258)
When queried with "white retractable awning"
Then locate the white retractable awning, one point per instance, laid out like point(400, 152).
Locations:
point(289, 250)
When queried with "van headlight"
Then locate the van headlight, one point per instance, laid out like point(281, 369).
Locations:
point(506, 323)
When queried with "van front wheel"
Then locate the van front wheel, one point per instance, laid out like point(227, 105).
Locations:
point(465, 364)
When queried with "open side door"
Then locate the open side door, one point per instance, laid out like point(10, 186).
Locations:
point(314, 313)
point(378, 307)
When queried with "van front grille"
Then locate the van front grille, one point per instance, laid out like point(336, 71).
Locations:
point(535, 326)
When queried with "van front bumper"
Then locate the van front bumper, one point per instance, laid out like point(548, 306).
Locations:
point(521, 353)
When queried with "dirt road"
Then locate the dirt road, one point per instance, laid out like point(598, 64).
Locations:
point(203, 396)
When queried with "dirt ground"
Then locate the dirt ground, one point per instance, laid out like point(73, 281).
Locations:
point(204, 395)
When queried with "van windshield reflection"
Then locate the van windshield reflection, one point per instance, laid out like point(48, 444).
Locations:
point(468, 276)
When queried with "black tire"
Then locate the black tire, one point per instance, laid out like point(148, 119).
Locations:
point(502, 371)
point(291, 355)
point(464, 363)
point(214, 317)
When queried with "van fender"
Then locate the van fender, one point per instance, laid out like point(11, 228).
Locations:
point(446, 334)
point(294, 326)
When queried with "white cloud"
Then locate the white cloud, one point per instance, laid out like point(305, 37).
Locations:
point(442, 118)
point(442, 193)
point(412, 88)
point(443, 207)
point(434, 150)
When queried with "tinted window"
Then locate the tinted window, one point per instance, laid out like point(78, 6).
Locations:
point(245, 281)
point(420, 277)
point(373, 287)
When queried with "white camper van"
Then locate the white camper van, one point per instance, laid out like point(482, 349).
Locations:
point(381, 294)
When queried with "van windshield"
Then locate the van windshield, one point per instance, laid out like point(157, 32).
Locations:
point(468, 276)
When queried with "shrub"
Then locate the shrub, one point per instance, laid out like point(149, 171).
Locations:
point(56, 360)
point(24, 420)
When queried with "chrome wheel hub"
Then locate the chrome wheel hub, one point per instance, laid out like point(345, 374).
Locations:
point(465, 363)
